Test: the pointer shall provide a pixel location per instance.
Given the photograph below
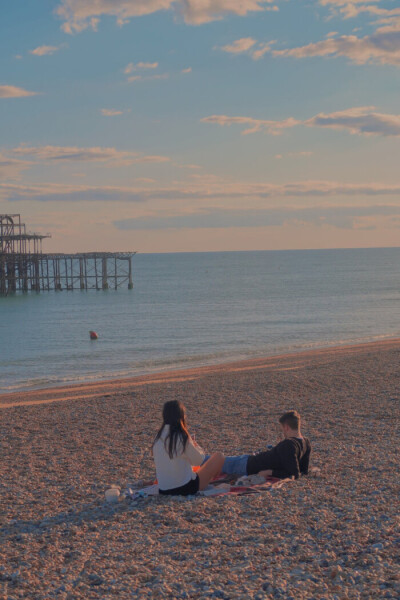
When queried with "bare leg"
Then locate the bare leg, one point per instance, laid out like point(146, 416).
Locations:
point(210, 469)
point(265, 474)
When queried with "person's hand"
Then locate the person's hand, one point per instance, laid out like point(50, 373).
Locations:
point(266, 473)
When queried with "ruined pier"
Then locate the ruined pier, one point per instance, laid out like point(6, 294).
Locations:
point(24, 267)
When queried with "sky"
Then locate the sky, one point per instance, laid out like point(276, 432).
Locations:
point(201, 125)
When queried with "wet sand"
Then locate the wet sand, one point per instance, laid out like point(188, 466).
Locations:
point(331, 535)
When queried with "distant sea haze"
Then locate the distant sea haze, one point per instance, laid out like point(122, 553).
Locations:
point(196, 309)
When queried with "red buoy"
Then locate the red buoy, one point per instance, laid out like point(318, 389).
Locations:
point(93, 335)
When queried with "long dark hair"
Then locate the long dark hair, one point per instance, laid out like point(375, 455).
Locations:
point(174, 416)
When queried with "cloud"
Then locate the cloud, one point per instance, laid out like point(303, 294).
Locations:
point(202, 190)
point(110, 112)
point(253, 125)
point(188, 70)
point(10, 168)
point(349, 8)
point(381, 47)
point(45, 50)
point(343, 217)
point(131, 67)
point(262, 49)
point(11, 91)
point(188, 166)
point(78, 15)
point(239, 46)
point(248, 46)
point(301, 154)
point(95, 154)
point(198, 12)
point(147, 77)
point(138, 69)
point(363, 120)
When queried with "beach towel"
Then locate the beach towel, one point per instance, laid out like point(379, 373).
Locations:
point(220, 486)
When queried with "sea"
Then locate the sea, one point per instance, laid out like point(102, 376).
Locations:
point(193, 309)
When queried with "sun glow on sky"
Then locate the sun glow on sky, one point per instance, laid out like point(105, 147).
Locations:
point(183, 125)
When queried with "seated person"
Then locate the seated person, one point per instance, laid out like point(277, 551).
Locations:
point(175, 452)
point(289, 458)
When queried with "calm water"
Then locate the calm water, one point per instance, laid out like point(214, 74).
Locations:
point(196, 309)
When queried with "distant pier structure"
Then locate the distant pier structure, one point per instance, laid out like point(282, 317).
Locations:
point(24, 267)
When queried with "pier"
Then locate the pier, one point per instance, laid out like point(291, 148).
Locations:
point(24, 267)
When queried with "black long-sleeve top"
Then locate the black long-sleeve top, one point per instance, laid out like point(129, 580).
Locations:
point(287, 459)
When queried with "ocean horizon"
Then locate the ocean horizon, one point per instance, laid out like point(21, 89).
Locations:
point(195, 309)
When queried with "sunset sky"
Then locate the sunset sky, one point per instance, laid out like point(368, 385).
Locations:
point(196, 125)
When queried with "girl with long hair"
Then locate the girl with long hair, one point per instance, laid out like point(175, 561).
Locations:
point(175, 453)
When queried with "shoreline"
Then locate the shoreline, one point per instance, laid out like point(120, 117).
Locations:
point(276, 362)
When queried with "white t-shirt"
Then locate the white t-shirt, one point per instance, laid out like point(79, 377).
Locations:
point(177, 471)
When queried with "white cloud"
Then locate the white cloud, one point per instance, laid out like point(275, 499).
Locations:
point(133, 78)
point(201, 190)
point(10, 168)
point(110, 112)
point(382, 47)
point(11, 91)
point(248, 46)
point(95, 154)
point(45, 50)
point(188, 166)
point(363, 120)
point(301, 154)
point(139, 66)
point(342, 217)
point(198, 12)
point(349, 8)
point(188, 70)
point(252, 125)
point(239, 46)
point(262, 49)
point(78, 15)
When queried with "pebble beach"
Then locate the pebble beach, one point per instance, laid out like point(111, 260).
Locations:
point(332, 535)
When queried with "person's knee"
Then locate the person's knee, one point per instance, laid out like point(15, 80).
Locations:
point(218, 456)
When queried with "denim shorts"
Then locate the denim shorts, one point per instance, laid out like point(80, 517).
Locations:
point(233, 465)
point(236, 465)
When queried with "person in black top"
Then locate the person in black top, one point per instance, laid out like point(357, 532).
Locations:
point(289, 458)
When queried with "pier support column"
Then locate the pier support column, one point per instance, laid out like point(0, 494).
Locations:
point(3, 285)
point(35, 280)
point(81, 274)
point(104, 273)
point(130, 282)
